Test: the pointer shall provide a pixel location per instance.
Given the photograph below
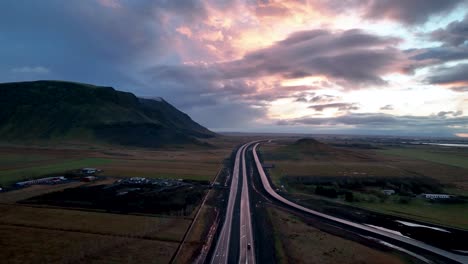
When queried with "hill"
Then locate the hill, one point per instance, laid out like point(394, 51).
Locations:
point(50, 110)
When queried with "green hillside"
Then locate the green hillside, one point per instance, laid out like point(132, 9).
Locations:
point(48, 110)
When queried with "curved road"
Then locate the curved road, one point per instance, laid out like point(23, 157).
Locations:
point(380, 233)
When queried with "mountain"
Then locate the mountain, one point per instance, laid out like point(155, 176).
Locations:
point(49, 110)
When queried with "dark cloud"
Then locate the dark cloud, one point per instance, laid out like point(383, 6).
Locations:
point(385, 124)
point(438, 55)
point(352, 58)
point(301, 99)
point(323, 98)
point(449, 113)
point(387, 107)
point(455, 34)
point(408, 11)
point(338, 106)
point(455, 77)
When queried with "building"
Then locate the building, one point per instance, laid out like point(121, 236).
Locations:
point(436, 196)
point(47, 180)
point(89, 171)
point(388, 192)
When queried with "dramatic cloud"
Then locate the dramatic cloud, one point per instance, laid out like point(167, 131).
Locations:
point(455, 77)
point(338, 106)
point(352, 58)
point(455, 34)
point(244, 64)
point(377, 122)
point(386, 107)
point(409, 11)
point(449, 113)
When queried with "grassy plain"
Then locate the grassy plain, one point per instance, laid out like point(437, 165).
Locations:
point(448, 166)
point(41, 234)
point(444, 214)
point(297, 242)
point(191, 162)
point(34, 245)
point(456, 157)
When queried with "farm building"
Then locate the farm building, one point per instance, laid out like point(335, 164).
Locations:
point(388, 192)
point(436, 196)
point(47, 180)
point(89, 171)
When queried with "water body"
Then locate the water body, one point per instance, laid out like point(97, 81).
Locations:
point(418, 225)
point(448, 145)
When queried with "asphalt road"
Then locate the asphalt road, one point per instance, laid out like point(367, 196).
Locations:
point(246, 255)
point(221, 252)
point(356, 226)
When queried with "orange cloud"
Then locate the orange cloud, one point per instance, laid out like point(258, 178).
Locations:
point(185, 31)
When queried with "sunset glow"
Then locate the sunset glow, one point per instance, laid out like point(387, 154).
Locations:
point(275, 64)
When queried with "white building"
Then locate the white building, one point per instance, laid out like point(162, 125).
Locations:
point(436, 196)
point(388, 192)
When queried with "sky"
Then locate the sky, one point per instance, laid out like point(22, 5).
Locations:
point(379, 67)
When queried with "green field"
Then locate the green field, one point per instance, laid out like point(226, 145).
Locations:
point(455, 215)
point(438, 169)
point(443, 157)
point(12, 175)
point(298, 242)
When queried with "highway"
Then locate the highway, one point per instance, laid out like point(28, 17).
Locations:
point(221, 252)
point(246, 255)
point(380, 234)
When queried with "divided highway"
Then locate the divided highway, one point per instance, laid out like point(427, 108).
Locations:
point(355, 226)
point(222, 249)
point(221, 253)
point(246, 236)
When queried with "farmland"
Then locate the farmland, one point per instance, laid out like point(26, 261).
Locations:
point(357, 175)
point(24, 162)
point(67, 236)
point(297, 242)
point(58, 233)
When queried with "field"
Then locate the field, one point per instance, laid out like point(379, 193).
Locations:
point(297, 242)
point(25, 162)
point(448, 156)
point(44, 235)
point(39, 233)
point(354, 174)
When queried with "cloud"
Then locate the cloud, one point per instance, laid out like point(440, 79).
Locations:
point(33, 70)
point(385, 124)
point(455, 34)
point(456, 77)
point(352, 58)
point(450, 113)
point(323, 98)
point(408, 11)
point(110, 3)
point(387, 107)
point(338, 106)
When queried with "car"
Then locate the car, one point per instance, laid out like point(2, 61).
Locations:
point(249, 246)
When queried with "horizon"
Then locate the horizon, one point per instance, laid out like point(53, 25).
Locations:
point(377, 68)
